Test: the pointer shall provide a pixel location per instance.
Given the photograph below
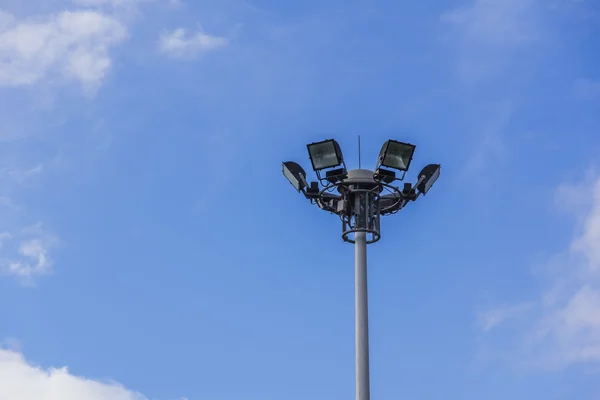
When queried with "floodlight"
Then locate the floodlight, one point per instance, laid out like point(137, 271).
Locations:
point(325, 154)
point(427, 177)
point(396, 155)
point(295, 174)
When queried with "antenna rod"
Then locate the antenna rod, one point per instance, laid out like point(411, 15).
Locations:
point(358, 151)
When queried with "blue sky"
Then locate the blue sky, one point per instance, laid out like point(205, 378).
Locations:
point(151, 249)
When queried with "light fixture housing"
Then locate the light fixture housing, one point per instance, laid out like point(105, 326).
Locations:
point(336, 175)
point(385, 176)
point(396, 155)
point(427, 177)
point(295, 174)
point(325, 154)
point(312, 190)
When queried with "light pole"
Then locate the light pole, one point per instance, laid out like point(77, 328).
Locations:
point(360, 203)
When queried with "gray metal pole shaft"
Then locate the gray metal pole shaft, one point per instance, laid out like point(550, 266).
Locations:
point(362, 318)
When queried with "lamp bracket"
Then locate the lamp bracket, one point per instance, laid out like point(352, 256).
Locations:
point(359, 204)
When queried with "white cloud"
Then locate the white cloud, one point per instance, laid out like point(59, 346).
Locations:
point(571, 326)
point(496, 22)
point(570, 333)
point(114, 3)
point(179, 43)
point(121, 6)
point(72, 44)
point(489, 319)
point(562, 328)
point(7, 203)
point(123, 3)
point(575, 198)
point(26, 255)
point(588, 243)
point(21, 175)
point(175, 3)
point(485, 34)
point(23, 381)
point(4, 236)
point(36, 259)
point(489, 146)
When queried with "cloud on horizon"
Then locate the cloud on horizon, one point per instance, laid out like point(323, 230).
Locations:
point(22, 380)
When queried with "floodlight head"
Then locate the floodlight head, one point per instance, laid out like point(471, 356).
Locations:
point(325, 154)
point(295, 174)
point(427, 177)
point(396, 155)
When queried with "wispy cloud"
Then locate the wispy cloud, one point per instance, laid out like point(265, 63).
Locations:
point(496, 22)
point(175, 3)
point(485, 34)
point(25, 255)
point(181, 44)
point(492, 318)
point(113, 3)
point(22, 380)
point(8, 203)
point(495, 46)
point(562, 326)
point(489, 146)
point(124, 3)
point(71, 45)
point(22, 175)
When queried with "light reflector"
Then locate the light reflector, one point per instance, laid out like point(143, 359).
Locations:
point(295, 174)
point(396, 155)
point(428, 176)
point(325, 154)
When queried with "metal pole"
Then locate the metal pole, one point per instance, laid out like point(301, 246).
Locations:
point(362, 318)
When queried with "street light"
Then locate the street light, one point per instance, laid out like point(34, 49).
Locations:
point(360, 205)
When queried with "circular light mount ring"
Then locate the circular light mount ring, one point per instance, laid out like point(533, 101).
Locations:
point(358, 206)
point(375, 235)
